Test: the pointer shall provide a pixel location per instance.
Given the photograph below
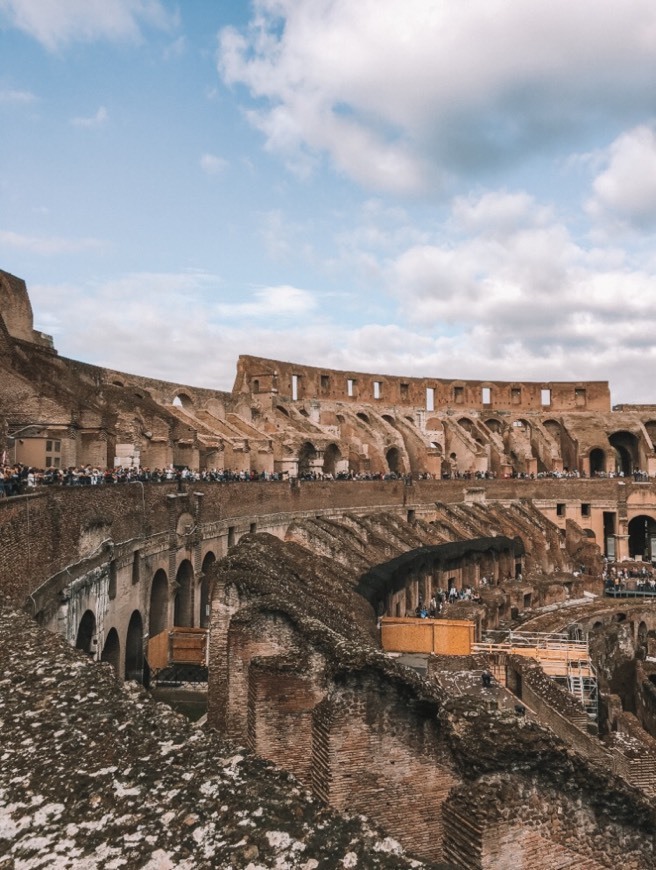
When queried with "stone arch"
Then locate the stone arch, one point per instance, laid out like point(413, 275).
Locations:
point(626, 451)
point(466, 424)
point(597, 461)
point(494, 425)
point(393, 459)
point(650, 427)
point(86, 633)
point(158, 612)
point(389, 419)
point(306, 456)
point(331, 456)
point(134, 653)
point(282, 410)
point(434, 425)
point(642, 531)
point(183, 400)
point(112, 651)
point(362, 416)
point(205, 590)
point(183, 613)
point(522, 425)
point(553, 428)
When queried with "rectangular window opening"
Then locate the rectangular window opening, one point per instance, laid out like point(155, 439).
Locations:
point(377, 389)
point(350, 387)
point(560, 509)
point(545, 398)
point(325, 382)
point(404, 390)
point(459, 395)
point(580, 398)
point(585, 509)
point(430, 398)
point(486, 396)
point(294, 388)
point(516, 395)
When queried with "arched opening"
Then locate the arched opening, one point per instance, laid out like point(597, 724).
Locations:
point(642, 635)
point(597, 461)
point(182, 400)
point(331, 456)
point(494, 425)
point(626, 452)
point(282, 410)
point(205, 590)
point(393, 460)
point(362, 416)
point(183, 613)
point(134, 656)
point(86, 633)
point(619, 617)
point(388, 419)
point(112, 651)
point(650, 426)
point(553, 428)
point(306, 456)
point(466, 424)
point(158, 612)
point(597, 626)
point(642, 538)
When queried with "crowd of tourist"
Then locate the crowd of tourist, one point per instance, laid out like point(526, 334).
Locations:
point(634, 579)
point(17, 479)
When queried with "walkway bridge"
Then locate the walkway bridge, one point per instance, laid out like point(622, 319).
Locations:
point(562, 659)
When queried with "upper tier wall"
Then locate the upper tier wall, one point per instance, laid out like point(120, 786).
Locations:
point(297, 382)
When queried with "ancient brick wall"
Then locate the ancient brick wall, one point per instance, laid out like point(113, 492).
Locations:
point(379, 753)
point(509, 822)
point(308, 382)
point(282, 695)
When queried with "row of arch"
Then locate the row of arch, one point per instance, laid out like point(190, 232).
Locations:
point(159, 618)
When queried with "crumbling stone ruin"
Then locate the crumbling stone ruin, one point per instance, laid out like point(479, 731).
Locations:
point(351, 501)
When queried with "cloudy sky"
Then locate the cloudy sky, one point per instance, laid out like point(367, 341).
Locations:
point(426, 187)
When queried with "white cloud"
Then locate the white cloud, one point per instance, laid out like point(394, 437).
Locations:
point(401, 99)
point(212, 165)
point(9, 95)
point(47, 245)
point(96, 120)
point(279, 301)
point(626, 188)
point(57, 23)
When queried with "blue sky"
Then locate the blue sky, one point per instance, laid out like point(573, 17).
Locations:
point(427, 188)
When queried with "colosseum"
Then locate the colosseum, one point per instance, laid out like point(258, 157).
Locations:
point(418, 615)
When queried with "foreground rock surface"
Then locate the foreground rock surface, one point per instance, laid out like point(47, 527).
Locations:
point(94, 774)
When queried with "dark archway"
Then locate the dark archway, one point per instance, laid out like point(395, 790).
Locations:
point(331, 456)
point(306, 455)
point(205, 590)
point(626, 452)
point(86, 633)
point(183, 607)
point(134, 654)
point(393, 460)
point(597, 461)
point(112, 651)
point(158, 612)
point(642, 538)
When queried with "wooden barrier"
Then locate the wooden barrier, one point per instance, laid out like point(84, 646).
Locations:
point(178, 646)
point(440, 636)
